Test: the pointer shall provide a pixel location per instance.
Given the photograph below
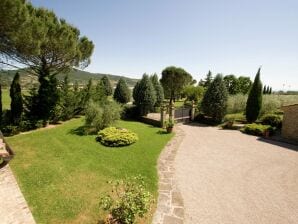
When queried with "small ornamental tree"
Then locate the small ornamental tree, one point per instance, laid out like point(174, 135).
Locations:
point(108, 90)
point(254, 100)
point(158, 90)
point(16, 105)
point(122, 92)
point(214, 103)
point(146, 98)
point(173, 81)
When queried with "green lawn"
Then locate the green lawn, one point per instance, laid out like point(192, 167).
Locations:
point(62, 174)
point(5, 99)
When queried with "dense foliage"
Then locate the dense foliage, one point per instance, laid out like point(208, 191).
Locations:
point(122, 92)
point(158, 90)
point(145, 95)
point(51, 46)
point(254, 100)
point(16, 104)
point(257, 129)
point(101, 116)
point(193, 93)
point(108, 90)
point(174, 80)
point(127, 200)
point(214, 103)
point(116, 137)
point(273, 120)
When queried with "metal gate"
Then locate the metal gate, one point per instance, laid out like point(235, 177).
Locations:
point(182, 114)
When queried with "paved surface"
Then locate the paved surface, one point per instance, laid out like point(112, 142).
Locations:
point(13, 207)
point(170, 204)
point(229, 177)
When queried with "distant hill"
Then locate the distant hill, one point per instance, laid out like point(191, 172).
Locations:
point(28, 80)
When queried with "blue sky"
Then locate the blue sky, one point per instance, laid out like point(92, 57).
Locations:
point(225, 36)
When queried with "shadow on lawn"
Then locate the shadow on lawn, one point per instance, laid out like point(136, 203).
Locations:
point(83, 131)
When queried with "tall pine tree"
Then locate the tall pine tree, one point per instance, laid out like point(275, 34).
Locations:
point(214, 103)
point(107, 85)
point(16, 105)
point(122, 92)
point(254, 100)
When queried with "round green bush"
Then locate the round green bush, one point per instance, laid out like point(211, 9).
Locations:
point(116, 137)
point(273, 120)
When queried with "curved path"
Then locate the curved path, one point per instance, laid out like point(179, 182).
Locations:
point(228, 177)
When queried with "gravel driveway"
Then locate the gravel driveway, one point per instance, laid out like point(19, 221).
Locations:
point(228, 177)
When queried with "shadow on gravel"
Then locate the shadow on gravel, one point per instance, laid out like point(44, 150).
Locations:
point(280, 143)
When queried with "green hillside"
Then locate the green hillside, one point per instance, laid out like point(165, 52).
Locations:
point(28, 80)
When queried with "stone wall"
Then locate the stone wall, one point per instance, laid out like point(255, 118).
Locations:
point(290, 123)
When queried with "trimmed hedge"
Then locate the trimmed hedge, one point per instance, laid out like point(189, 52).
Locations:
point(257, 129)
point(116, 137)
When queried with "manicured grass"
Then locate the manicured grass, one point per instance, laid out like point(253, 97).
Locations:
point(5, 99)
point(62, 174)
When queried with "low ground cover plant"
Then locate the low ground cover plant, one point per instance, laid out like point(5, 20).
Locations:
point(257, 129)
point(116, 137)
point(126, 201)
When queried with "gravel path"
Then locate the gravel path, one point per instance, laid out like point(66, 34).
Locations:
point(13, 207)
point(229, 177)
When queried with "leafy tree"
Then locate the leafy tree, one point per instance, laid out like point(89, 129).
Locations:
point(158, 90)
point(51, 46)
point(107, 85)
point(254, 100)
point(231, 83)
point(244, 84)
point(122, 92)
point(193, 93)
point(173, 80)
point(214, 103)
point(146, 97)
point(16, 104)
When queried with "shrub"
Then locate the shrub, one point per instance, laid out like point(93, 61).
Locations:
point(126, 201)
point(129, 112)
point(116, 137)
point(10, 130)
point(234, 117)
point(273, 120)
point(257, 129)
point(102, 116)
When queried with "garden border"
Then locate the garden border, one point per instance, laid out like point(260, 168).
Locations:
point(170, 206)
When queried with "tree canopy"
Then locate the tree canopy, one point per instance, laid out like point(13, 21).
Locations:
point(173, 80)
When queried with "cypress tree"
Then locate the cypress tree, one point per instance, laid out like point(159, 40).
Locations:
point(254, 100)
point(208, 79)
point(158, 90)
point(270, 90)
point(107, 85)
point(100, 94)
point(135, 92)
point(16, 105)
point(214, 103)
point(122, 92)
point(146, 96)
point(264, 89)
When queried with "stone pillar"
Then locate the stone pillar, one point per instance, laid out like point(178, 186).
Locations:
point(193, 110)
point(162, 116)
point(172, 112)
